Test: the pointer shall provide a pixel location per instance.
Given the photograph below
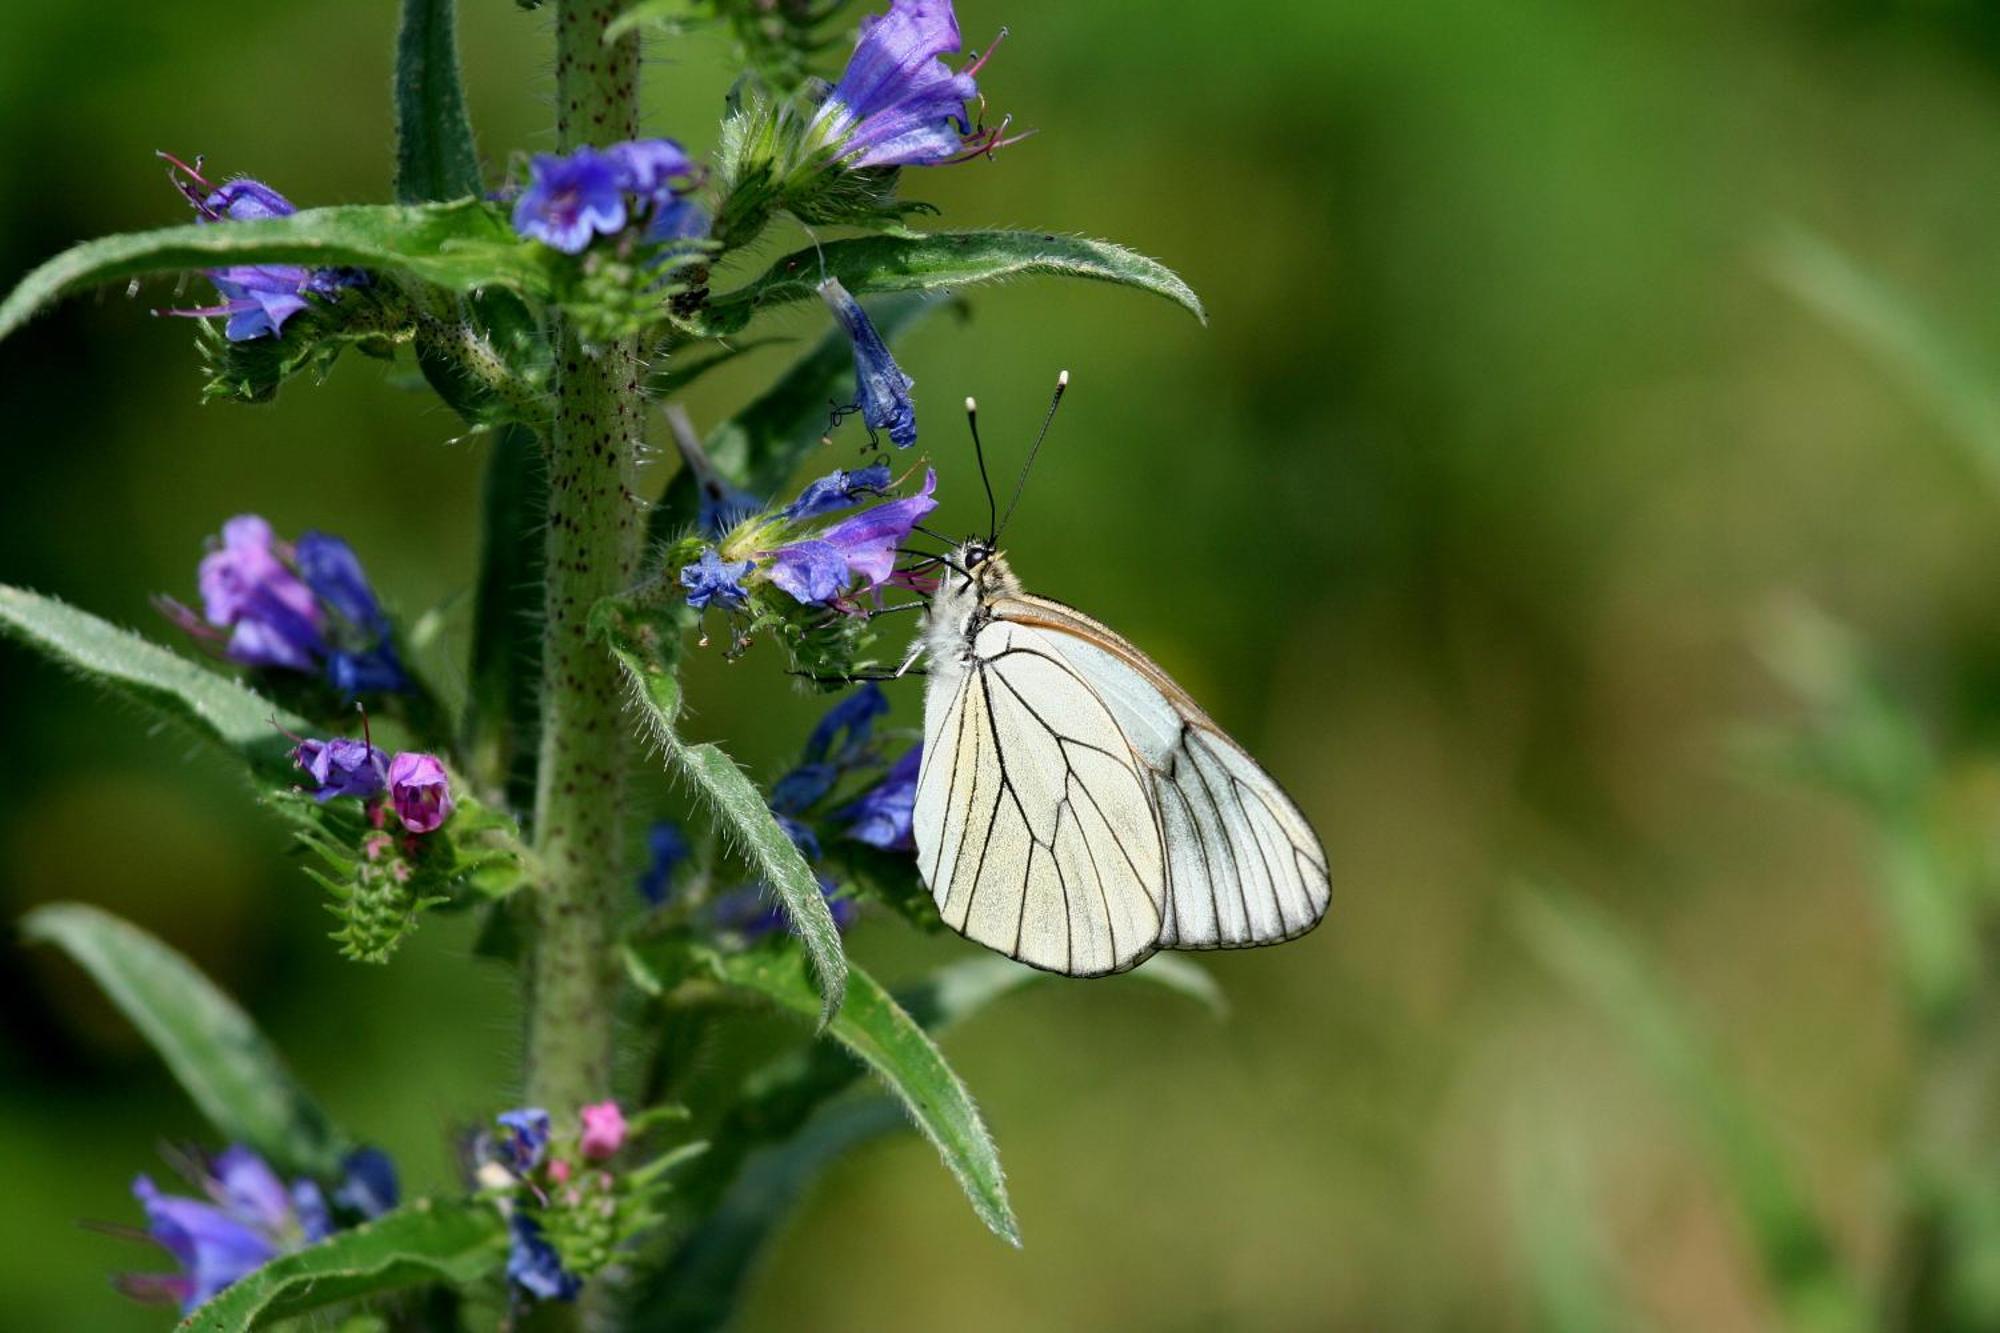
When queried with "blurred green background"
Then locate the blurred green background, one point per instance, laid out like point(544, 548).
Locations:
point(1462, 513)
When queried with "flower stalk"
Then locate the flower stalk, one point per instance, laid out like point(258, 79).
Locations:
point(591, 544)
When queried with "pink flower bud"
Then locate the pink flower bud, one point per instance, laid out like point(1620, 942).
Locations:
point(603, 1130)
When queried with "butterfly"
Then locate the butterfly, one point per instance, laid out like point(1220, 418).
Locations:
point(1075, 809)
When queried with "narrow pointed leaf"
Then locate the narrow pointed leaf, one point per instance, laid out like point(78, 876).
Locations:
point(461, 246)
point(762, 446)
point(884, 1037)
point(435, 157)
point(232, 1073)
point(943, 260)
point(214, 707)
point(1617, 980)
point(427, 1241)
point(642, 647)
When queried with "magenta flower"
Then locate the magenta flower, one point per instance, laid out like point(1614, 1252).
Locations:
point(603, 1130)
point(822, 569)
point(420, 791)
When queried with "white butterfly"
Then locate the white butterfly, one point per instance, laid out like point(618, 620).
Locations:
point(1075, 809)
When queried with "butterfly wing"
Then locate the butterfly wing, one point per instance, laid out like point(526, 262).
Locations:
point(1034, 819)
point(1244, 866)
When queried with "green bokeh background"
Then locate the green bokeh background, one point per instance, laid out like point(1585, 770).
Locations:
point(1462, 514)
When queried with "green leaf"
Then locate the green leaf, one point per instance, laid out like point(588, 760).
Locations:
point(947, 259)
point(884, 1037)
point(212, 706)
point(463, 246)
point(702, 1287)
point(1609, 972)
point(761, 447)
point(504, 695)
point(435, 157)
point(643, 646)
point(427, 1241)
point(234, 1076)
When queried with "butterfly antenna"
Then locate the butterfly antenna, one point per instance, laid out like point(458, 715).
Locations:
point(985, 479)
point(1062, 384)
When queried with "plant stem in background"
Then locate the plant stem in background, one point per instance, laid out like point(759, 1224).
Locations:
point(591, 544)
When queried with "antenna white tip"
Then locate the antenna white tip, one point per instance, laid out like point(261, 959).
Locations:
point(1062, 380)
point(971, 406)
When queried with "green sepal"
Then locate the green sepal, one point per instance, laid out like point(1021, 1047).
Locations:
point(235, 1077)
point(374, 320)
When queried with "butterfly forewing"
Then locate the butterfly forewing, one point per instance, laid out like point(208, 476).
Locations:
point(1034, 819)
point(1244, 866)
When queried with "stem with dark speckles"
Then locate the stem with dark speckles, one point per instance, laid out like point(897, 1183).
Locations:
point(592, 544)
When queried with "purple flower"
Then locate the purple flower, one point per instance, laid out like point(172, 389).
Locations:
point(882, 389)
point(839, 489)
point(679, 219)
point(374, 672)
point(818, 570)
point(368, 1183)
point(852, 721)
point(332, 570)
point(570, 200)
point(534, 1266)
point(527, 1138)
point(897, 103)
point(668, 849)
point(420, 791)
point(257, 299)
point(252, 1217)
point(343, 768)
point(882, 816)
point(658, 171)
point(713, 580)
point(272, 616)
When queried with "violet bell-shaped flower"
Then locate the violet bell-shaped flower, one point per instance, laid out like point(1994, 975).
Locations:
point(572, 199)
point(247, 588)
point(821, 570)
point(882, 390)
point(257, 299)
point(251, 1218)
point(882, 816)
point(897, 103)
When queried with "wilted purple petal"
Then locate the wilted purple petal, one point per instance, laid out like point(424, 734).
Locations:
point(881, 387)
point(534, 1266)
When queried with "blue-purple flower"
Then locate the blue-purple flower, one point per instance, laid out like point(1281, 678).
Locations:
point(838, 490)
point(249, 1218)
point(712, 580)
point(296, 607)
point(342, 767)
point(257, 299)
point(521, 1149)
point(574, 198)
point(882, 390)
point(368, 1186)
point(667, 851)
point(898, 103)
point(882, 816)
point(822, 570)
point(533, 1264)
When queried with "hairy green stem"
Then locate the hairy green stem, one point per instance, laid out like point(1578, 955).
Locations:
point(591, 543)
